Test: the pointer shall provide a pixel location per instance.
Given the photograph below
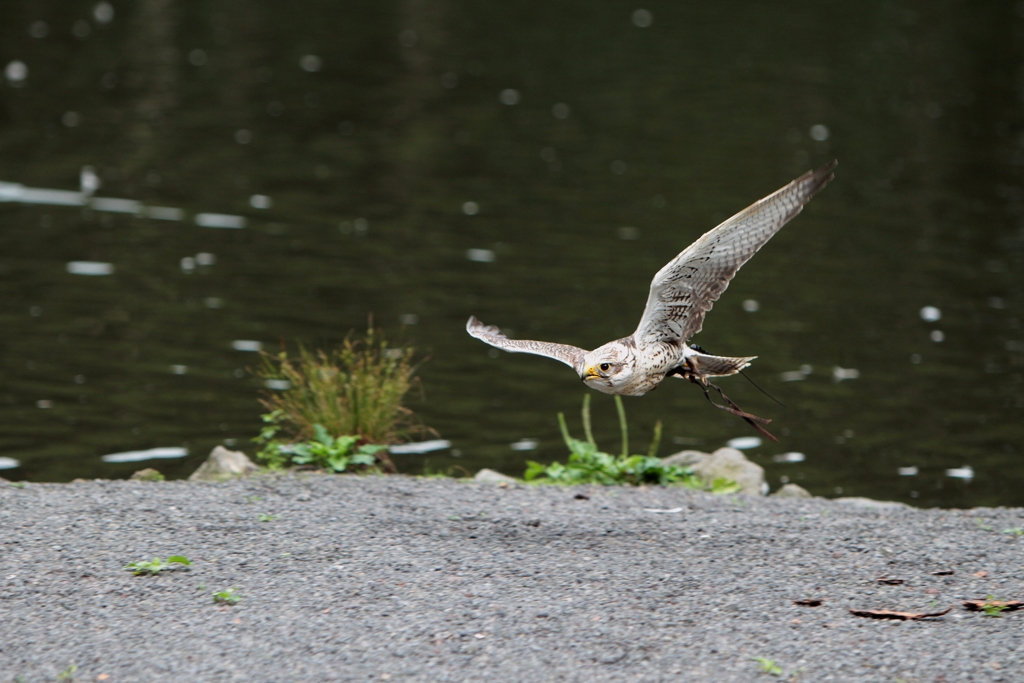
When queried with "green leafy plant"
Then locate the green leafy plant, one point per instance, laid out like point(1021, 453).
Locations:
point(156, 565)
point(1017, 531)
point(588, 465)
point(993, 607)
point(228, 596)
point(768, 666)
point(18, 484)
point(268, 518)
point(334, 454)
point(355, 391)
point(68, 674)
point(980, 523)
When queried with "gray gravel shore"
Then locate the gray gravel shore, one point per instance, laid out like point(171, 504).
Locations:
point(402, 579)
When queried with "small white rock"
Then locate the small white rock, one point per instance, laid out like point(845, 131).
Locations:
point(491, 477)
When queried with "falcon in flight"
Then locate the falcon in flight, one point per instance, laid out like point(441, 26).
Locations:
point(681, 294)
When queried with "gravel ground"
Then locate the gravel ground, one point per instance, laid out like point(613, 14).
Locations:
point(395, 578)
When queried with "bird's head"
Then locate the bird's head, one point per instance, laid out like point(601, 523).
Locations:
point(607, 367)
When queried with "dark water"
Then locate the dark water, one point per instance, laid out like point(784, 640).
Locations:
point(569, 127)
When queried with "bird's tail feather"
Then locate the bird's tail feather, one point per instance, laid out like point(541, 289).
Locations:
point(720, 366)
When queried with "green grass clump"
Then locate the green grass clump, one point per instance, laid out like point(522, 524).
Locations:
point(588, 465)
point(228, 596)
point(156, 565)
point(341, 408)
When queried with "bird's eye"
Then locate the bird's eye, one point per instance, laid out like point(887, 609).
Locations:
point(604, 367)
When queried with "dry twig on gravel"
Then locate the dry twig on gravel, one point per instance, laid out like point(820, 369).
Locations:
point(902, 616)
point(889, 582)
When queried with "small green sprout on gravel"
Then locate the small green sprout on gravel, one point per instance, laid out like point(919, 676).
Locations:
point(588, 465)
point(18, 484)
point(68, 674)
point(228, 596)
point(993, 607)
point(1016, 531)
point(768, 666)
point(980, 523)
point(156, 565)
point(268, 518)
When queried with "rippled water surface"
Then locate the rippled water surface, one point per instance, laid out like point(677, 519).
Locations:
point(266, 171)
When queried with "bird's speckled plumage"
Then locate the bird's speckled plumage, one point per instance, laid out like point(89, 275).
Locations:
point(681, 294)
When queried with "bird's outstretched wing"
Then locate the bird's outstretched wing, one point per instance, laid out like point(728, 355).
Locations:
point(570, 355)
point(686, 288)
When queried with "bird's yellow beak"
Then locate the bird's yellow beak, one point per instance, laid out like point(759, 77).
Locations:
point(590, 373)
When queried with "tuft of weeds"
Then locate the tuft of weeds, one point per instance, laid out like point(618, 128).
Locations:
point(18, 484)
point(228, 596)
point(1016, 531)
point(68, 674)
point(768, 666)
point(980, 523)
point(588, 465)
point(355, 391)
point(156, 565)
point(268, 518)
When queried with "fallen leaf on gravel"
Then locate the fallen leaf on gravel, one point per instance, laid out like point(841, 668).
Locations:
point(1007, 605)
point(981, 575)
point(661, 510)
point(810, 602)
point(903, 616)
point(580, 496)
point(944, 572)
point(889, 582)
